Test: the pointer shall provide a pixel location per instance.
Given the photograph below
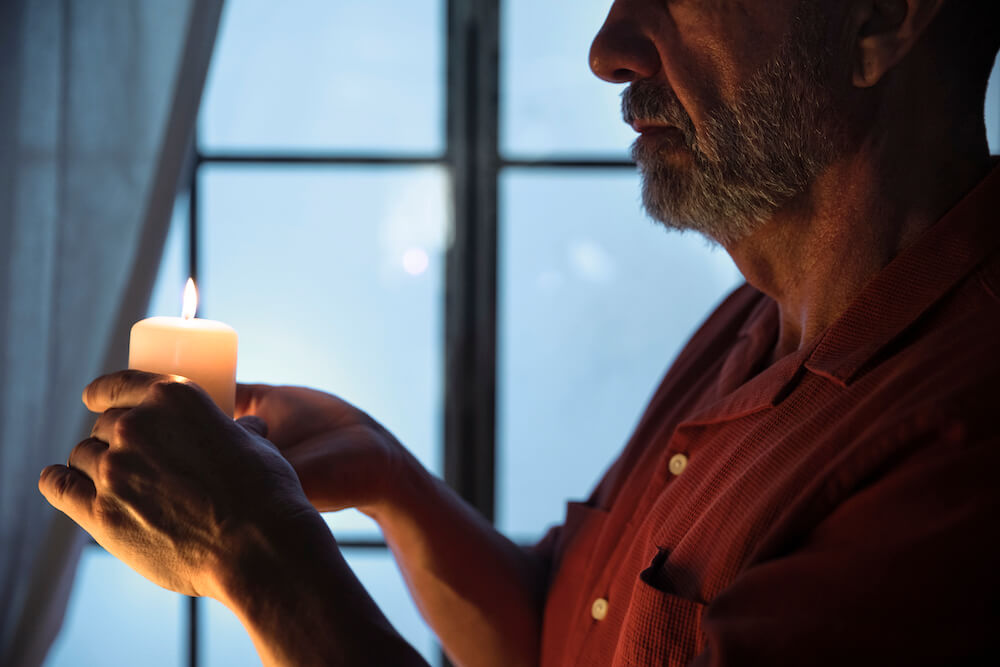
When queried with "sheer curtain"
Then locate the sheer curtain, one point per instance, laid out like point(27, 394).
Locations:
point(98, 102)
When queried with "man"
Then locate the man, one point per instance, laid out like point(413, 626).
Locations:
point(812, 484)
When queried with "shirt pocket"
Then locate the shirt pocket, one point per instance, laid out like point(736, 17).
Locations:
point(660, 627)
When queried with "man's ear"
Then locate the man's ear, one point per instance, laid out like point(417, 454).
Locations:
point(886, 31)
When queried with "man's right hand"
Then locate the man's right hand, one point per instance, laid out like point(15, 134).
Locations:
point(482, 594)
point(342, 456)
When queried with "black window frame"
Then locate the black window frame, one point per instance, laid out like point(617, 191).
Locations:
point(474, 162)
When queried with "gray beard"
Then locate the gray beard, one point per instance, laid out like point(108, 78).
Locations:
point(751, 157)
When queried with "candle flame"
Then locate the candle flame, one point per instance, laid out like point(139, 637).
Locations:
point(190, 300)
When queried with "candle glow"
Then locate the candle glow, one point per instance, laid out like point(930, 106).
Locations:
point(203, 351)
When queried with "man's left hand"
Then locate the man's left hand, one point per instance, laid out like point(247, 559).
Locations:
point(171, 485)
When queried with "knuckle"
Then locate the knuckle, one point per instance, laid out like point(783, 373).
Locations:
point(100, 424)
point(114, 390)
point(167, 390)
point(129, 427)
point(118, 386)
point(173, 391)
point(112, 475)
point(123, 429)
point(62, 482)
point(131, 378)
point(117, 389)
point(77, 452)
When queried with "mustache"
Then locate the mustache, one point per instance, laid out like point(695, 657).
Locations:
point(651, 102)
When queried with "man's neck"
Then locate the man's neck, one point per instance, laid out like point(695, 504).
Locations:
point(818, 252)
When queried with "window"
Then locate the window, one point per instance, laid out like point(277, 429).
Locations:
point(361, 210)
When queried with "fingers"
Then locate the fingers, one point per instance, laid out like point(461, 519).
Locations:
point(253, 424)
point(69, 491)
point(106, 426)
point(247, 397)
point(124, 389)
point(258, 426)
point(86, 456)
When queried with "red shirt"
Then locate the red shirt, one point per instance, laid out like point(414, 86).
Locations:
point(840, 507)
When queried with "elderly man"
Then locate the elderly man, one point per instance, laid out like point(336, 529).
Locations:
point(814, 482)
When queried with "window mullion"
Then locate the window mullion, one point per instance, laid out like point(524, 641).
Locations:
point(471, 282)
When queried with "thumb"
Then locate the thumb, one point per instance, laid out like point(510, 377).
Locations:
point(253, 424)
point(249, 396)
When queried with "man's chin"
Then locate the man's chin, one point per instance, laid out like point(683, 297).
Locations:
point(675, 198)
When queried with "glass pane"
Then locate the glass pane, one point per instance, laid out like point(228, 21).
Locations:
point(145, 621)
point(551, 103)
point(227, 643)
point(595, 302)
point(168, 290)
point(333, 278)
point(993, 109)
point(312, 75)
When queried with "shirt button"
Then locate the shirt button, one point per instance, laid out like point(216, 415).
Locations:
point(678, 462)
point(599, 609)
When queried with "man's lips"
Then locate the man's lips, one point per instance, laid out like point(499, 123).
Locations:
point(643, 126)
point(661, 135)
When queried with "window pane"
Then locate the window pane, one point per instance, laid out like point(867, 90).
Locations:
point(333, 278)
point(315, 74)
point(551, 103)
point(168, 290)
point(595, 302)
point(145, 620)
point(227, 643)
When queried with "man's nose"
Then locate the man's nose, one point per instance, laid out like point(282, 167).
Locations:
point(622, 51)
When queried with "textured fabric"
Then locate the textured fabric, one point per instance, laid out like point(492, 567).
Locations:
point(838, 507)
point(97, 108)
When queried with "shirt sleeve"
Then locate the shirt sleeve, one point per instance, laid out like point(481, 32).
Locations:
point(904, 572)
point(544, 550)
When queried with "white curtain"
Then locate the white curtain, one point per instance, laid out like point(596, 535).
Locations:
point(98, 100)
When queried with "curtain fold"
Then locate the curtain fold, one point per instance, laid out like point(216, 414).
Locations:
point(98, 102)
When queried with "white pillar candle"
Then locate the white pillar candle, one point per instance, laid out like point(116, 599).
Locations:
point(204, 351)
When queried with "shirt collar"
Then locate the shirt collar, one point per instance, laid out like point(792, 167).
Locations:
point(911, 283)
